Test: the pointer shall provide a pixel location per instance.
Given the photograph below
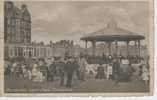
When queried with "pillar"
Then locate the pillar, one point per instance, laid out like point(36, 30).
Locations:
point(139, 45)
point(86, 47)
point(25, 50)
point(109, 48)
point(17, 51)
point(32, 51)
point(93, 50)
point(116, 43)
point(27, 54)
point(135, 44)
point(127, 47)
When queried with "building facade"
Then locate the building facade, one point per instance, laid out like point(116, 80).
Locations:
point(27, 51)
point(17, 37)
point(17, 24)
point(38, 50)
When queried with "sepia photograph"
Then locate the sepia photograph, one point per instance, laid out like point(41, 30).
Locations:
point(77, 47)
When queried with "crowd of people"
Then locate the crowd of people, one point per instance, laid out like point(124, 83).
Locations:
point(39, 70)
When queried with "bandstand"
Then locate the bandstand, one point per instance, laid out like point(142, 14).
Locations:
point(113, 34)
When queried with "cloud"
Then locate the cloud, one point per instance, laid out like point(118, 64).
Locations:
point(71, 20)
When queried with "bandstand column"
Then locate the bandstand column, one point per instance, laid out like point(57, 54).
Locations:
point(116, 43)
point(139, 45)
point(93, 50)
point(135, 44)
point(127, 47)
point(109, 47)
point(86, 47)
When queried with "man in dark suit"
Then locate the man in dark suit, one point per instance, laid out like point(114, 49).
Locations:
point(70, 66)
point(51, 71)
point(100, 72)
point(116, 68)
point(61, 69)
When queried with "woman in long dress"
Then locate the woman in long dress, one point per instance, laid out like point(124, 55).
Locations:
point(36, 74)
point(145, 74)
point(109, 71)
point(82, 68)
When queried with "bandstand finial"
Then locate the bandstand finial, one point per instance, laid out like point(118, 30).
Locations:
point(112, 24)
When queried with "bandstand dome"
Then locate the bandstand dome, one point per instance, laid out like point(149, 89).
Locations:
point(111, 33)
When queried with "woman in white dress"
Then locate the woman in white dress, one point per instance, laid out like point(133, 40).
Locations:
point(109, 71)
point(145, 74)
point(82, 68)
point(14, 65)
point(36, 74)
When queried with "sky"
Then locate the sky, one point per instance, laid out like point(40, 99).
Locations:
point(71, 20)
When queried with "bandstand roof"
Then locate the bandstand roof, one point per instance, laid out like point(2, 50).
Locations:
point(111, 33)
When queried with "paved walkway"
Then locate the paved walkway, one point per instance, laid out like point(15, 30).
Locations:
point(91, 85)
point(110, 86)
